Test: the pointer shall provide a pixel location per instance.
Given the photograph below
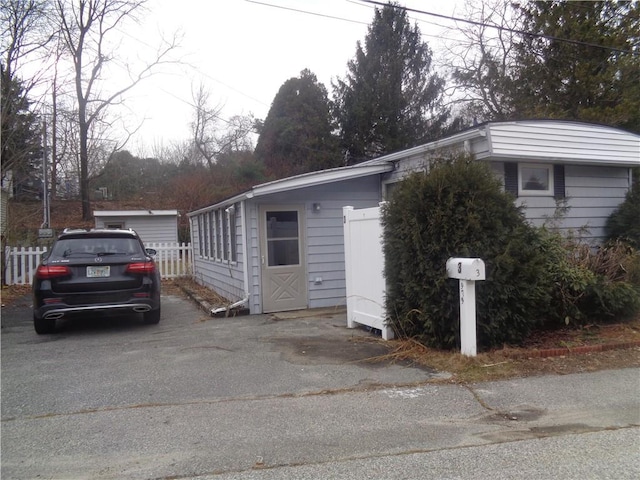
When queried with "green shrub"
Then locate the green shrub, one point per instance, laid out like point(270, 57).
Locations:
point(624, 223)
point(459, 209)
point(590, 285)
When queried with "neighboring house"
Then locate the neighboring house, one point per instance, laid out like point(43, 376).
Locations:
point(151, 225)
point(280, 245)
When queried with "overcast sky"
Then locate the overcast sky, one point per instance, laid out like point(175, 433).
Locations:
point(243, 51)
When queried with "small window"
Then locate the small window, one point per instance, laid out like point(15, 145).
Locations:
point(535, 179)
point(212, 233)
point(232, 234)
point(115, 226)
point(218, 234)
point(205, 230)
point(200, 237)
point(225, 235)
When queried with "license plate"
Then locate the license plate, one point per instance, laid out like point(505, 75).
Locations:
point(98, 272)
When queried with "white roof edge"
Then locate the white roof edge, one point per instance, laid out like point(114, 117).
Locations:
point(551, 159)
point(301, 181)
point(131, 213)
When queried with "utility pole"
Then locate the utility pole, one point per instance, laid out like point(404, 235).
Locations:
point(45, 179)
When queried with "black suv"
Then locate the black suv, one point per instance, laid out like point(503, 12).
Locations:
point(90, 271)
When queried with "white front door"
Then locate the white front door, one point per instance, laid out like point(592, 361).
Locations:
point(284, 278)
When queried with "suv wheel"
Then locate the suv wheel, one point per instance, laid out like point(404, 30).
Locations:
point(43, 326)
point(152, 317)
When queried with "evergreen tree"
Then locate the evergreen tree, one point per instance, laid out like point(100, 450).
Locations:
point(21, 142)
point(579, 80)
point(390, 99)
point(296, 135)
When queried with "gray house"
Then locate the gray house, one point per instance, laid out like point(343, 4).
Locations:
point(280, 245)
point(151, 225)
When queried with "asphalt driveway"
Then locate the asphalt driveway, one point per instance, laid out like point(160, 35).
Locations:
point(256, 397)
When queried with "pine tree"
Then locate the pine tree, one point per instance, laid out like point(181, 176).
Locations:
point(21, 143)
point(390, 99)
point(296, 136)
point(579, 80)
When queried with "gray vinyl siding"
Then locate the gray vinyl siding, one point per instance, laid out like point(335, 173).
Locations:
point(324, 236)
point(225, 277)
point(592, 194)
point(151, 229)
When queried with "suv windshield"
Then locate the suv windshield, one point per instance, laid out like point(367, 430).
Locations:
point(68, 247)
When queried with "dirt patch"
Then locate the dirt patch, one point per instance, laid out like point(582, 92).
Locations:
point(365, 351)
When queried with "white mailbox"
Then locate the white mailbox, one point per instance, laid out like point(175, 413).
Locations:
point(467, 271)
point(466, 268)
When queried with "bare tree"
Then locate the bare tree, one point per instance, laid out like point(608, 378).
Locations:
point(25, 36)
point(482, 61)
point(205, 125)
point(213, 135)
point(87, 28)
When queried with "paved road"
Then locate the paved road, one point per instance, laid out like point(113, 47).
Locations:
point(255, 398)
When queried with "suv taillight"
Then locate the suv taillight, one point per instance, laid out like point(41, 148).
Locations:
point(141, 267)
point(51, 271)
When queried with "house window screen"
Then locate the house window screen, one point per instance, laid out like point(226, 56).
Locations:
point(200, 236)
point(205, 230)
point(232, 235)
point(212, 233)
point(218, 234)
point(282, 238)
point(225, 235)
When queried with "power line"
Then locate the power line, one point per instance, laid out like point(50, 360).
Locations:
point(332, 17)
point(507, 29)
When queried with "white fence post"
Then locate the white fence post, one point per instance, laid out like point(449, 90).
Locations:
point(22, 264)
point(173, 259)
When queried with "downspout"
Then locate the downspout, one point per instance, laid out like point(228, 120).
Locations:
point(245, 267)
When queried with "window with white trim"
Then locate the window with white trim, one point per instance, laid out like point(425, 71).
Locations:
point(233, 254)
point(205, 230)
point(212, 233)
point(535, 179)
point(225, 234)
point(200, 236)
point(218, 234)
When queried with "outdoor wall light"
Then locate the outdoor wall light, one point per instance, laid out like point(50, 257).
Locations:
point(316, 207)
point(231, 210)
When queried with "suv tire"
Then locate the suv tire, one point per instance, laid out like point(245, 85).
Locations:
point(152, 317)
point(43, 326)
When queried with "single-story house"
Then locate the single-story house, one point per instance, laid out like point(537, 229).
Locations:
point(152, 226)
point(280, 245)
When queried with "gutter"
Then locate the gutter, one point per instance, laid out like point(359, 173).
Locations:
point(226, 310)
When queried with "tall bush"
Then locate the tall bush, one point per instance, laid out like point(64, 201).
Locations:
point(589, 285)
point(459, 209)
point(624, 223)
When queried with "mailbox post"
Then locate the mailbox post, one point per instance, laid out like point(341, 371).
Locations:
point(467, 271)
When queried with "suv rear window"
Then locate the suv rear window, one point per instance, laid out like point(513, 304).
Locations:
point(67, 247)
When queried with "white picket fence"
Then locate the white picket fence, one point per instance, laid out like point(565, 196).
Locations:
point(173, 260)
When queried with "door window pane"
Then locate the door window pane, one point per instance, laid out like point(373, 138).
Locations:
point(282, 238)
point(283, 252)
